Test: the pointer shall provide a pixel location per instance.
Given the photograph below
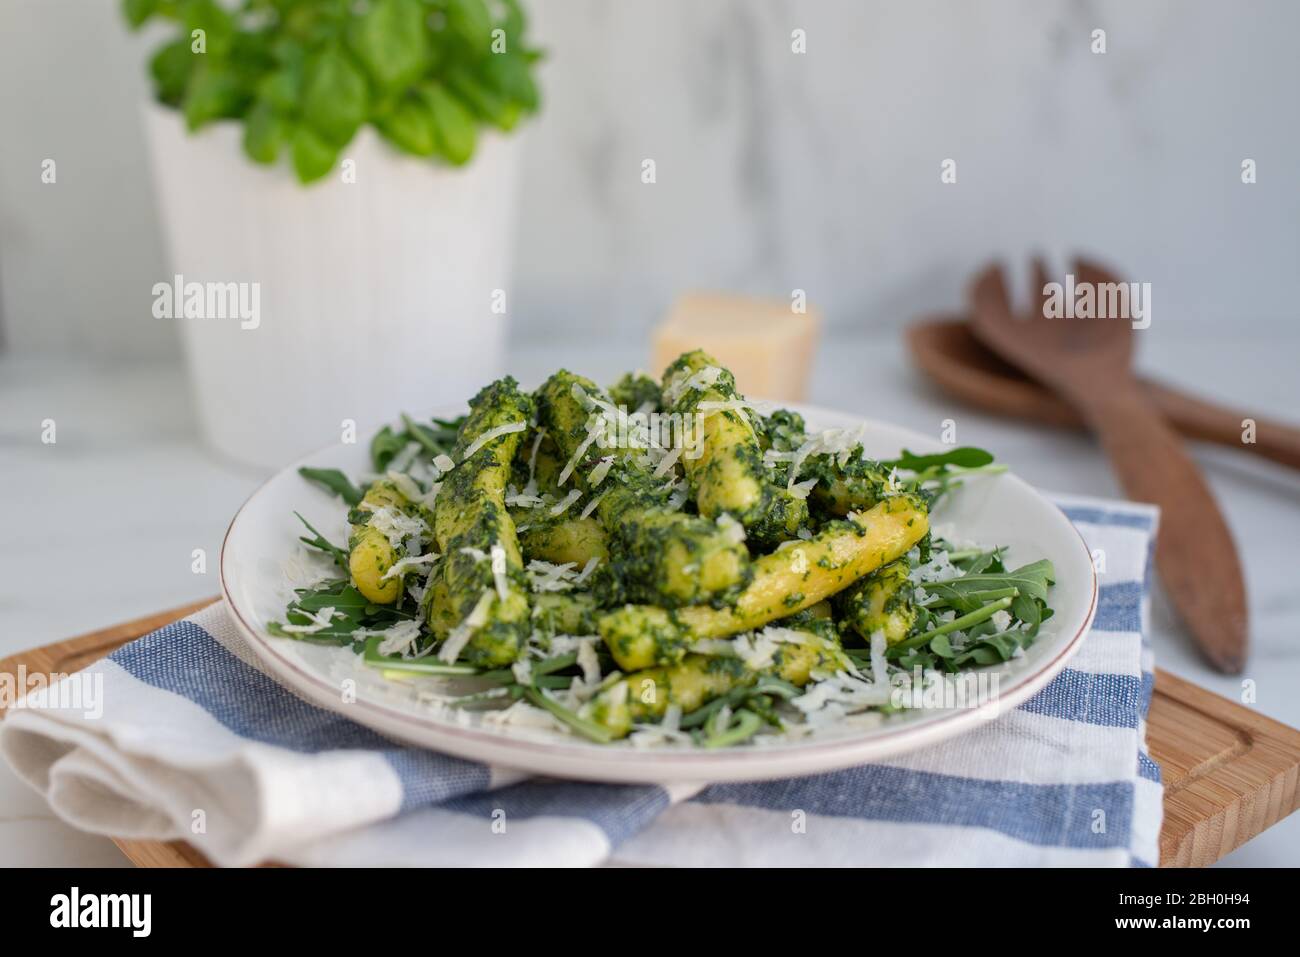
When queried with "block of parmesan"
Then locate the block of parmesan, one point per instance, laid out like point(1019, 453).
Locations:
point(766, 343)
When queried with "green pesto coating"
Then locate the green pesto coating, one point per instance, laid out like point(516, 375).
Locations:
point(564, 538)
point(370, 553)
point(883, 601)
point(854, 487)
point(659, 554)
point(644, 696)
point(564, 613)
point(636, 391)
point(730, 477)
point(783, 431)
point(788, 580)
point(470, 519)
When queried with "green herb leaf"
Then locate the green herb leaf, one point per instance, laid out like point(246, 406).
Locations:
point(966, 457)
point(588, 729)
point(453, 125)
point(334, 99)
point(282, 88)
point(305, 75)
point(422, 666)
point(171, 68)
point(138, 11)
point(409, 126)
point(335, 481)
point(312, 156)
point(745, 724)
point(384, 445)
point(389, 40)
point(213, 93)
point(218, 29)
point(264, 133)
point(472, 21)
point(318, 541)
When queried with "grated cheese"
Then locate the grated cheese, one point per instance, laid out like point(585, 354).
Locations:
point(403, 459)
point(587, 569)
point(735, 532)
point(547, 576)
point(592, 435)
point(491, 434)
point(564, 503)
point(396, 525)
point(589, 663)
point(319, 621)
point(591, 506)
point(701, 379)
point(524, 500)
point(801, 489)
point(397, 638)
point(428, 500)
point(406, 485)
point(532, 456)
point(679, 493)
point(840, 443)
point(400, 566)
point(739, 406)
point(462, 633)
point(597, 474)
point(667, 462)
point(879, 667)
point(499, 570)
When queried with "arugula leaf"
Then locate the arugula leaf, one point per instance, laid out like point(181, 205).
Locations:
point(422, 666)
point(384, 446)
point(319, 542)
point(335, 481)
point(967, 457)
point(1031, 580)
point(352, 613)
point(588, 729)
point(438, 439)
point(437, 442)
point(994, 649)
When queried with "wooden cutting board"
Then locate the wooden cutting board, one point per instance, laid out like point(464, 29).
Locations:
point(1229, 772)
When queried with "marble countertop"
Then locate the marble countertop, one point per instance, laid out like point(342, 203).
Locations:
point(129, 492)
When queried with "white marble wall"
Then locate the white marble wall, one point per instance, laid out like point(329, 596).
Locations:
point(774, 170)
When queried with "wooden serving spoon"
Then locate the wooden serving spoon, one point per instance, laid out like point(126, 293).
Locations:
point(1087, 363)
point(946, 350)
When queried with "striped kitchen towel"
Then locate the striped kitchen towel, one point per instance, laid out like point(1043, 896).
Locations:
point(194, 742)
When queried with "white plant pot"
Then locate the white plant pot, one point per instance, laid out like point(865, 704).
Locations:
point(375, 295)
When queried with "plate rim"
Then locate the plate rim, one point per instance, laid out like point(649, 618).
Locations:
point(569, 761)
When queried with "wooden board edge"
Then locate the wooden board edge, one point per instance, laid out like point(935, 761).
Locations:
point(1239, 799)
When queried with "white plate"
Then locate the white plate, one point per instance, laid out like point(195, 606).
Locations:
point(262, 541)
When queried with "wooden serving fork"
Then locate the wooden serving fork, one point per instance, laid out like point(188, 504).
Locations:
point(1087, 363)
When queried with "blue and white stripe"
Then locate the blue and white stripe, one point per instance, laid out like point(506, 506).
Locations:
point(194, 726)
